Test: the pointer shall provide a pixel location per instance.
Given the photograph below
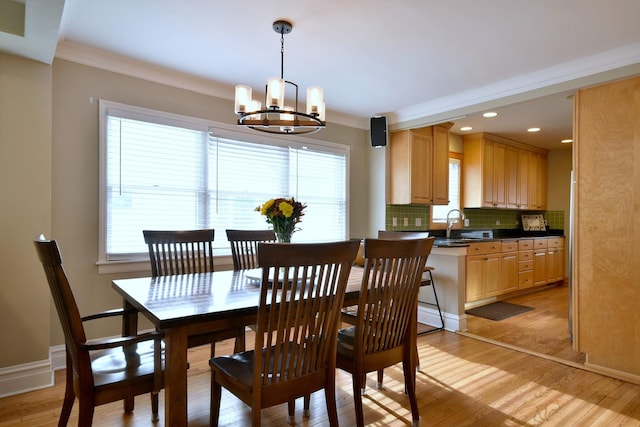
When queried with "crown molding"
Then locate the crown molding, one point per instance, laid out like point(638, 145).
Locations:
point(571, 75)
point(85, 55)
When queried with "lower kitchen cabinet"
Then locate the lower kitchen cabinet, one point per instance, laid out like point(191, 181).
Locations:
point(499, 267)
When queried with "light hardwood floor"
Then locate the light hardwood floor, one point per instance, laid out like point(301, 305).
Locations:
point(461, 382)
point(543, 330)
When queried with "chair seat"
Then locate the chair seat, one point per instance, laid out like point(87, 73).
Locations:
point(109, 366)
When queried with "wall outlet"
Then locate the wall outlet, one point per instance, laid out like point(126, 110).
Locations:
point(466, 222)
point(497, 222)
point(406, 222)
point(394, 221)
point(418, 222)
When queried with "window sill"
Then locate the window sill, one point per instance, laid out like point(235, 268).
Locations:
point(142, 266)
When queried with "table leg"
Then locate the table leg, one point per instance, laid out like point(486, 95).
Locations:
point(175, 377)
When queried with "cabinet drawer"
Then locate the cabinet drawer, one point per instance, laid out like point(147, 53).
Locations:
point(525, 245)
point(525, 279)
point(525, 256)
point(525, 265)
point(509, 246)
point(540, 243)
point(555, 242)
point(483, 248)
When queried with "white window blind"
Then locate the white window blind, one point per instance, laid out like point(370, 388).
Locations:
point(164, 172)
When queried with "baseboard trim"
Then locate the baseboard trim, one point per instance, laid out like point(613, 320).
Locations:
point(26, 377)
point(452, 322)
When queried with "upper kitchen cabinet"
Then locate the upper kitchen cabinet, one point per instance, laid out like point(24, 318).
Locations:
point(501, 173)
point(419, 166)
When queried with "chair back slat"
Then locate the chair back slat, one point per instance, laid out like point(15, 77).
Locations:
point(244, 246)
point(301, 295)
point(180, 252)
point(389, 293)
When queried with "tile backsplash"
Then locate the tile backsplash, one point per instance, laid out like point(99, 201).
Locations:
point(478, 218)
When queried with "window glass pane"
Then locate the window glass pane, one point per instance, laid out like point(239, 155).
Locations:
point(439, 213)
point(164, 172)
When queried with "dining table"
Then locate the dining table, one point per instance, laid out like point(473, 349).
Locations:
point(187, 305)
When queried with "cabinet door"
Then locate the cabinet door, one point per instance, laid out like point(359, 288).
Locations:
point(511, 176)
point(538, 181)
point(509, 272)
point(524, 159)
point(539, 267)
point(474, 277)
point(488, 174)
point(421, 164)
point(440, 165)
point(492, 275)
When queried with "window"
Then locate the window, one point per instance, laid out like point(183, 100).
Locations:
point(163, 171)
point(439, 213)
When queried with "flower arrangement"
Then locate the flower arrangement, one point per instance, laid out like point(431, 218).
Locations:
point(283, 214)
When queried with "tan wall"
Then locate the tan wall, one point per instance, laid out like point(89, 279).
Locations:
point(25, 211)
point(75, 167)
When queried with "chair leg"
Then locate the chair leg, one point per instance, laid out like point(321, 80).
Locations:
point(305, 408)
point(436, 304)
point(129, 404)
point(85, 414)
point(69, 395)
point(291, 409)
point(410, 387)
point(332, 411)
point(357, 399)
point(214, 409)
point(380, 379)
point(154, 406)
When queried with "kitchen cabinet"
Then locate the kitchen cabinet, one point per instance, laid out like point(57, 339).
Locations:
point(539, 262)
point(538, 181)
point(555, 260)
point(517, 178)
point(483, 270)
point(525, 263)
point(419, 166)
point(509, 267)
point(501, 173)
point(484, 173)
point(499, 267)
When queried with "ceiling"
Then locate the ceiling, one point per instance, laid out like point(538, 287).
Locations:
point(417, 62)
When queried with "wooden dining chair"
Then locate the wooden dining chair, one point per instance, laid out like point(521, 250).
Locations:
point(244, 246)
point(385, 330)
point(103, 370)
point(183, 252)
point(301, 293)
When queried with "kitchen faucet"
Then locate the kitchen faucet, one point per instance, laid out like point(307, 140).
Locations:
point(451, 222)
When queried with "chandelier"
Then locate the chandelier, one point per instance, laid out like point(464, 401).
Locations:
point(275, 117)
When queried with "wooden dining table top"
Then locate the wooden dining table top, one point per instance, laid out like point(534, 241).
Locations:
point(171, 301)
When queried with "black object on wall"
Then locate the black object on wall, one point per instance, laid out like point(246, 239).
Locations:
point(378, 128)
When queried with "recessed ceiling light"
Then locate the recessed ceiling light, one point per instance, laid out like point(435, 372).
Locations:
point(533, 130)
point(566, 141)
point(490, 114)
point(465, 128)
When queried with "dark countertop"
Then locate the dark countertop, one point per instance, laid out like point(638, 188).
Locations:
point(458, 238)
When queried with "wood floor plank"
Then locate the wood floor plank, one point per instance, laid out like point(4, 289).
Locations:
point(461, 382)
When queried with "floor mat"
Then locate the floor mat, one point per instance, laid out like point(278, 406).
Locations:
point(498, 310)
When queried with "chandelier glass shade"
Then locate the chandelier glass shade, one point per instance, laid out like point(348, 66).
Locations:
point(275, 116)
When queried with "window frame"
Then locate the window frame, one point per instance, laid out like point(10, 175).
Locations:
point(140, 262)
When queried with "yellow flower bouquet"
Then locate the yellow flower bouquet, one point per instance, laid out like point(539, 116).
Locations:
point(284, 215)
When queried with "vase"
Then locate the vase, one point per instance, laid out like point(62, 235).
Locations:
point(283, 237)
